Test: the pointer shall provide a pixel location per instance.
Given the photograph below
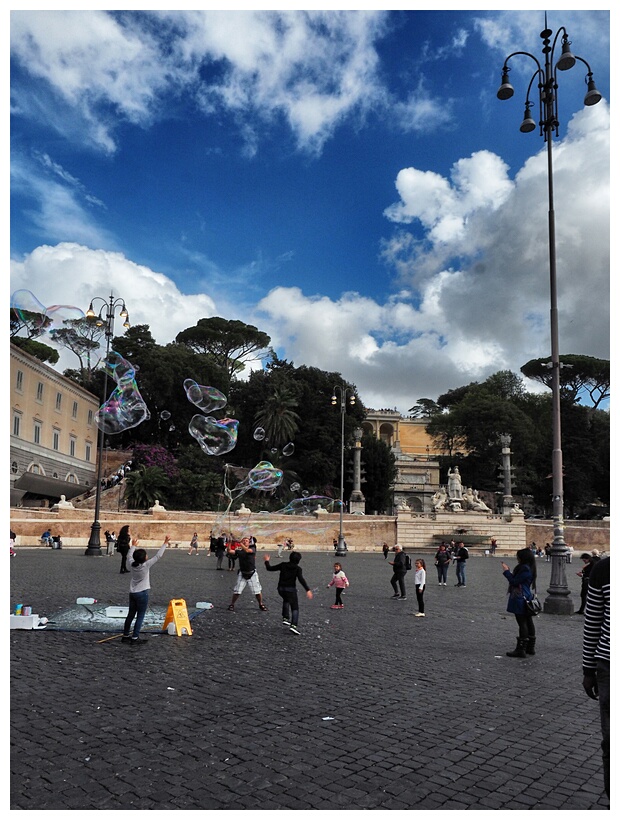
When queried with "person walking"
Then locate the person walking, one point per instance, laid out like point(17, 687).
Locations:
point(462, 554)
point(193, 544)
point(230, 546)
point(247, 575)
point(588, 563)
point(340, 581)
point(442, 562)
point(139, 587)
point(596, 653)
point(521, 583)
point(386, 551)
point(399, 567)
point(420, 586)
point(220, 552)
point(123, 543)
point(290, 573)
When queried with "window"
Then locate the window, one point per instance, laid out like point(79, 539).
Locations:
point(74, 411)
point(40, 391)
point(56, 439)
point(54, 474)
point(34, 468)
point(90, 416)
point(19, 384)
point(17, 422)
point(14, 467)
point(58, 401)
point(37, 432)
point(88, 452)
point(72, 443)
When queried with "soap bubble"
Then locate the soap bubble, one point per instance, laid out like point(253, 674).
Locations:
point(274, 451)
point(215, 437)
point(265, 476)
point(305, 493)
point(29, 310)
point(259, 434)
point(289, 449)
point(164, 415)
point(295, 487)
point(309, 504)
point(125, 407)
point(206, 399)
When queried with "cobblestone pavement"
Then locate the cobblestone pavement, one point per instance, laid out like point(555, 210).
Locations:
point(369, 708)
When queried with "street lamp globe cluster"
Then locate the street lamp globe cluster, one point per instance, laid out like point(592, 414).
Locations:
point(104, 318)
point(544, 79)
point(341, 393)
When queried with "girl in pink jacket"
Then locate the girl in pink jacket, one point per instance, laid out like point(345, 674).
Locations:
point(340, 581)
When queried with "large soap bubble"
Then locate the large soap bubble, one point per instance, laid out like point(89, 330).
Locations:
point(125, 408)
point(206, 399)
point(215, 437)
point(30, 311)
point(309, 504)
point(265, 476)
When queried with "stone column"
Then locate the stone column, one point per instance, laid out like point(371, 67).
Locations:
point(507, 474)
point(357, 501)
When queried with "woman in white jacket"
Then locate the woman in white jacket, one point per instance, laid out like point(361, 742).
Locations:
point(139, 589)
point(420, 585)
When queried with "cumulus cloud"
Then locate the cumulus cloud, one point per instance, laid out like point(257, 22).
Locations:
point(72, 274)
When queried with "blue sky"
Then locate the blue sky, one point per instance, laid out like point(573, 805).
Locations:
point(346, 181)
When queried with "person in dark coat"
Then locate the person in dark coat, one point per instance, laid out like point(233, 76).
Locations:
point(123, 543)
point(400, 570)
point(290, 573)
point(521, 582)
point(588, 562)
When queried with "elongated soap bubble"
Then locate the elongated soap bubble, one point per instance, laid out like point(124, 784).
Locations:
point(206, 399)
point(215, 437)
point(125, 408)
point(289, 449)
point(28, 309)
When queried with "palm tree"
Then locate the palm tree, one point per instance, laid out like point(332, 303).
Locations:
point(278, 417)
point(144, 486)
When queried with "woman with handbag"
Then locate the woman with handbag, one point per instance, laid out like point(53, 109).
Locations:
point(521, 583)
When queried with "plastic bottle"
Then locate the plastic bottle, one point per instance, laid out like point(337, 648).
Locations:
point(18, 609)
point(86, 601)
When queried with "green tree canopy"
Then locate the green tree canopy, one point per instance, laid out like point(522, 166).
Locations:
point(229, 342)
point(577, 373)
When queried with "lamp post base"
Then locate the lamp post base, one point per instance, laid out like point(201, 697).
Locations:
point(558, 605)
point(94, 544)
point(341, 548)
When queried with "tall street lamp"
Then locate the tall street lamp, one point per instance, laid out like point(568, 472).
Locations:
point(105, 319)
point(342, 392)
point(558, 601)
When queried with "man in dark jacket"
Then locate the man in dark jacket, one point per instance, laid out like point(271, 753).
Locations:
point(400, 570)
point(462, 554)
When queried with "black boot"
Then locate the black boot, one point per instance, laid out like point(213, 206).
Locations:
point(519, 651)
point(530, 648)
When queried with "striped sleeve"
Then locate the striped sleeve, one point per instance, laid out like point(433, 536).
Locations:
point(596, 633)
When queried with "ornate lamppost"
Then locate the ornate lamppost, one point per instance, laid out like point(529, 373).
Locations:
point(558, 601)
point(343, 392)
point(105, 319)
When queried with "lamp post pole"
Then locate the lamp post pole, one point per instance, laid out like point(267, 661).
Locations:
point(343, 392)
point(105, 318)
point(558, 601)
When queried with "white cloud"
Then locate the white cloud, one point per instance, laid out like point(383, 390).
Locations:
point(311, 67)
point(73, 274)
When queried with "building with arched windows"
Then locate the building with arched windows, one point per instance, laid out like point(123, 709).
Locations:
point(53, 449)
point(417, 478)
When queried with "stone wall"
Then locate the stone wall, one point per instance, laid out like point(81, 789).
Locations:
point(362, 533)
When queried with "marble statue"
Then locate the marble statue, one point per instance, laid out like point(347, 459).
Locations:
point(455, 487)
point(439, 499)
